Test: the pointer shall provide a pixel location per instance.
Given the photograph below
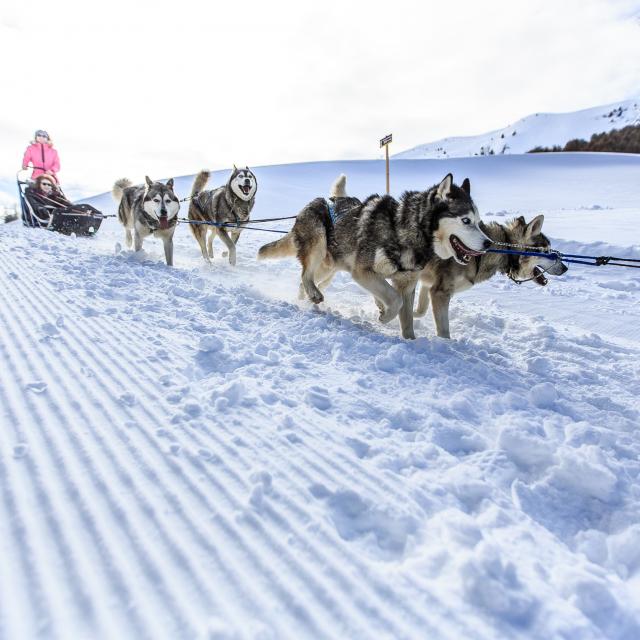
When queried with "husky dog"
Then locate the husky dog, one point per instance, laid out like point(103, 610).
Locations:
point(384, 238)
point(442, 279)
point(231, 203)
point(147, 209)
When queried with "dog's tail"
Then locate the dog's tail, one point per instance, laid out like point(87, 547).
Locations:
point(282, 248)
point(118, 187)
point(200, 183)
point(339, 187)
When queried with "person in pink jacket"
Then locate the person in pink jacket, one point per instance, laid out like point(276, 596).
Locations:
point(42, 156)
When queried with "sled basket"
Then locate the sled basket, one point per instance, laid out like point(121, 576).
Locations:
point(57, 214)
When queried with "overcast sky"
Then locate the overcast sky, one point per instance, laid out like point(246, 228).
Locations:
point(166, 88)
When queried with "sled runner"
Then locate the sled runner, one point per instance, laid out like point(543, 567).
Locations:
point(56, 213)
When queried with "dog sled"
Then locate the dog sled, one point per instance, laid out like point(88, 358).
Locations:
point(56, 213)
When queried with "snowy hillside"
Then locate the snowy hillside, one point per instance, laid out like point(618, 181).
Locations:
point(539, 129)
point(191, 452)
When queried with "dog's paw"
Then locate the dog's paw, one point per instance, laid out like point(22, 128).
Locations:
point(391, 312)
point(317, 298)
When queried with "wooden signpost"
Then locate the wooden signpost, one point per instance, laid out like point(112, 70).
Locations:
point(385, 143)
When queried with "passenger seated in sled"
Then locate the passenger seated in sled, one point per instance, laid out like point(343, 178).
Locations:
point(45, 205)
point(45, 193)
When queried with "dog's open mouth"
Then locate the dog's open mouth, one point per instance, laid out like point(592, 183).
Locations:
point(246, 189)
point(538, 276)
point(462, 253)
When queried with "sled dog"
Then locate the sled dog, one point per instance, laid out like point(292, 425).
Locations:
point(231, 203)
point(442, 279)
point(383, 238)
point(147, 209)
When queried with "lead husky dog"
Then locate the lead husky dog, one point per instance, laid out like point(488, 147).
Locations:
point(442, 279)
point(231, 203)
point(383, 238)
point(149, 209)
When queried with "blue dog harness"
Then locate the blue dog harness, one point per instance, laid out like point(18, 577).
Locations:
point(334, 214)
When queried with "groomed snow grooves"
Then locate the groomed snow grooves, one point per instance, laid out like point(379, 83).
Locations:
point(185, 455)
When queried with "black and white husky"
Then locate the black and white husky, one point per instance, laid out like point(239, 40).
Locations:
point(442, 279)
point(148, 209)
point(231, 203)
point(383, 238)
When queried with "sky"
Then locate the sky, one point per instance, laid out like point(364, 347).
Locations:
point(166, 88)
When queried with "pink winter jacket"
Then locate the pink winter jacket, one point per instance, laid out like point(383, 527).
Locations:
point(43, 157)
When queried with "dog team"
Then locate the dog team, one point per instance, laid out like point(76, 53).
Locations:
point(434, 237)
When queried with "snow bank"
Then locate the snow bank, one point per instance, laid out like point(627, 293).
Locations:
point(193, 452)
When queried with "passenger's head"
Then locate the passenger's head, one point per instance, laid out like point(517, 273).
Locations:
point(42, 136)
point(45, 183)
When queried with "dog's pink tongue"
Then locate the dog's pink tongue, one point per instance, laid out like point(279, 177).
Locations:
point(164, 222)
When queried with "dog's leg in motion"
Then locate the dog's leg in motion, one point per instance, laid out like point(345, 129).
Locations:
point(224, 236)
point(440, 307)
point(210, 237)
point(324, 276)
point(423, 302)
point(168, 249)
point(128, 238)
point(382, 291)
point(137, 240)
point(200, 233)
point(235, 236)
point(324, 279)
point(311, 262)
point(406, 312)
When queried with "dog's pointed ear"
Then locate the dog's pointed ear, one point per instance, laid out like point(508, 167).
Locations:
point(466, 186)
point(535, 226)
point(247, 167)
point(444, 188)
point(235, 168)
point(170, 183)
point(521, 221)
point(148, 180)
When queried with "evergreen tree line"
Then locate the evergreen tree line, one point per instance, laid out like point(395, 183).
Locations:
point(625, 140)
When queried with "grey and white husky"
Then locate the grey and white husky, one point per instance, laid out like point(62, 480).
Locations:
point(383, 238)
point(442, 279)
point(231, 203)
point(148, 209)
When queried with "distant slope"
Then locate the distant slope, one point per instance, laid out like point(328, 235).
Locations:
point(539, 129)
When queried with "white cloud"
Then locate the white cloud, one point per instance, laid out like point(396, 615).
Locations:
point(166, 88)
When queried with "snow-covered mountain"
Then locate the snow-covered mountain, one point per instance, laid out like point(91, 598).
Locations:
point(538, 129)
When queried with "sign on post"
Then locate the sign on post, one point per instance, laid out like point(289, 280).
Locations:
point(385, 143)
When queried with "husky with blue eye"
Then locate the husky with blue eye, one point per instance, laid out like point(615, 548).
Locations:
point(148, 209)
point(383, 239)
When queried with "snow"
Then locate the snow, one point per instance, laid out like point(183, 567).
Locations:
point(193, 452)
point(536, 130)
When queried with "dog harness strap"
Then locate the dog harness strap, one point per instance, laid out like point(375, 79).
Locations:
point(333, 214)
point(233, 211)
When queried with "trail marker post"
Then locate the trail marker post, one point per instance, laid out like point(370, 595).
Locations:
point(385, 143)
